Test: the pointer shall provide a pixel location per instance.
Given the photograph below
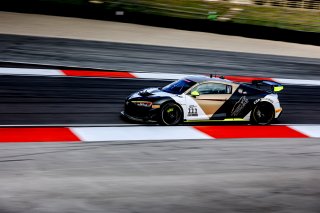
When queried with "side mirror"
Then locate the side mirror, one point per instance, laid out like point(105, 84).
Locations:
point(195, 93)
point(277, 88)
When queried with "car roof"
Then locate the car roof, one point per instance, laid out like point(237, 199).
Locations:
point(201, 78)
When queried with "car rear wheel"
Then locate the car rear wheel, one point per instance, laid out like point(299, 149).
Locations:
point(171, 114)
point(262, 114)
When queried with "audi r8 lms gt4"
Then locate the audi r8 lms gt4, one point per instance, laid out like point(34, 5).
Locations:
point(201, 98)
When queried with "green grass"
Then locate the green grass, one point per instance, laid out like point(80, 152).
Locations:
point(294, 19)
point(287, 18)
point(193, 9)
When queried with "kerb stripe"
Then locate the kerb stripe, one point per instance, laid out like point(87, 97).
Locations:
point(141, 75)
point(246, 79)
point(153, 133)
point(38, 134)
point(250, 132)
point(100, 74)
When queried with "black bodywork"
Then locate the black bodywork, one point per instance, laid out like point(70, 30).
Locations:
point(244, 98)
point(241, 102)
point(147, 113)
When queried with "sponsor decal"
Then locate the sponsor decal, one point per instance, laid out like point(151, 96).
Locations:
point(256, 101)
point(239, 106)
point(241, 91)
point(265, 99)
point(192, 111)
point(269, 100)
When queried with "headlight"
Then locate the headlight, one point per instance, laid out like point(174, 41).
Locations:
point(143, 103)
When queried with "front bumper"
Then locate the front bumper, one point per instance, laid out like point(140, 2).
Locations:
point(137, 119)
point(137, 113)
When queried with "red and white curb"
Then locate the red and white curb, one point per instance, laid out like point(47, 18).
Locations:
point(139, 75)
point(141, 133)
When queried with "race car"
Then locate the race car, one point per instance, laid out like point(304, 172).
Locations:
point(202, 98)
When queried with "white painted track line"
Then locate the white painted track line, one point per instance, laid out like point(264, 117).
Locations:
point(138, 133)
point(311, 131)
point(297, 81)
point(158, 75)
point(40, 72)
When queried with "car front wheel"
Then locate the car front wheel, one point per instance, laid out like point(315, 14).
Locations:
point(171, 114)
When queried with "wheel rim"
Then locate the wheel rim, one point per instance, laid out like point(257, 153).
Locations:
point(263, 114)
point(171, 115)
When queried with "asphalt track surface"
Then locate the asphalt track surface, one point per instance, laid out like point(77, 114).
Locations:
point(135, 57)
point(161, 176)
point(27, 100)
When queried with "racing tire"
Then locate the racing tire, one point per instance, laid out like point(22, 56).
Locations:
point(170, 114)
point(262, 114)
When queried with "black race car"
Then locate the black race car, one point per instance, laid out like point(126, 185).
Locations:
point(200, 98)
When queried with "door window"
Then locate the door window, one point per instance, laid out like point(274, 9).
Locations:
point(213, 88)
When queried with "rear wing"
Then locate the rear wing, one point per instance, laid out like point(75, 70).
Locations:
point(267, 85)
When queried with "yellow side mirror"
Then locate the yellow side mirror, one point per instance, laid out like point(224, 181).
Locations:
point(195, 93)
point(277, 88)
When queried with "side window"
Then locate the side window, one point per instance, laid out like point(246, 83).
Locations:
point(213, 88)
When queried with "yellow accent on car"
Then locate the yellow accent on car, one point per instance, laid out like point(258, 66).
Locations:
point(277, 88)
point(234, 119)
point(227, 119)
point(170, 110)
point(278, 110)
point(195, 93)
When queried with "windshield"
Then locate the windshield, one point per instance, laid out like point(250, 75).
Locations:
point(178, 87)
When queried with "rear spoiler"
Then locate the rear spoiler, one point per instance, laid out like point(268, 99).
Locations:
point(267, 85)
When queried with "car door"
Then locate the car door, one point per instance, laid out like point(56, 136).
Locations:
point(211, 96)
